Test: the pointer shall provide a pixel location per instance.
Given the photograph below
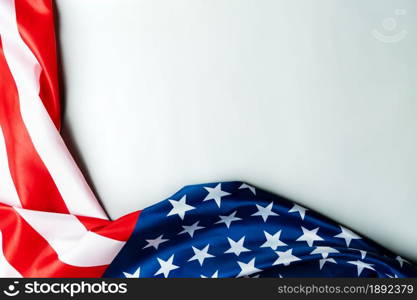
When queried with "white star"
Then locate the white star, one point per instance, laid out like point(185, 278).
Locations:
point(215, 194)
point(285, 258)
point(247, 186)
point(363, 252)
point(324, 251)
point(236, 247)
point(215, 275)
point(201, 255)
point(401, 260)
point(156, 242)
point(166, 266)
point(347, 235)
point(135, 274)
point(265, 212)
point(310, 236)
point(227, 220)
point(248, 268)
point(324, 260)
point(273, 241)
point(361, 265)
point(191, 229)
point(179, 207)
point(301, 210)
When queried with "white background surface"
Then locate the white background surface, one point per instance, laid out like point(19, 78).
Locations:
point(297, 97)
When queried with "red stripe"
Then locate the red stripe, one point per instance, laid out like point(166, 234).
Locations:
point(120, 229)
point(35, 21)
point(34, 184)
point(26, 250)
point(30, 254)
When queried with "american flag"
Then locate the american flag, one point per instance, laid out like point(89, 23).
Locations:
point(51, 224)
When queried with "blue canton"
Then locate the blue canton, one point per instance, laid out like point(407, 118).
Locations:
point(232, 229)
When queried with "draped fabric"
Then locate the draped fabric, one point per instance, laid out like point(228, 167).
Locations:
point(51, 224)
point(233, 229)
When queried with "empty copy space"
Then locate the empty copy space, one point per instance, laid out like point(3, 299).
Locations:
point(298, 97)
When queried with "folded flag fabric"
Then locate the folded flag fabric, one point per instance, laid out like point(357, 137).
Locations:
point(232, 229)
point(51, 224)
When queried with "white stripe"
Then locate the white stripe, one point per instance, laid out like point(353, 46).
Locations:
point(48, 143)
point(6, 269)
point(8, 194)
point(73, 244)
